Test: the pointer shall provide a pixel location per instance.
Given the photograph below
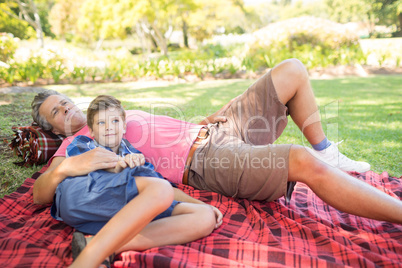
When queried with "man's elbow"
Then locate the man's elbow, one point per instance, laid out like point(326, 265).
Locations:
point(38, 198)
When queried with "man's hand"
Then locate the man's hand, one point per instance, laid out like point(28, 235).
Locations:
point(98, 158)
point(217, 117)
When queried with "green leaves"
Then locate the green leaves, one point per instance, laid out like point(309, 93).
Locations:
point(316, 42)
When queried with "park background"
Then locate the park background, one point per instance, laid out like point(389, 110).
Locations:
point(197, 55)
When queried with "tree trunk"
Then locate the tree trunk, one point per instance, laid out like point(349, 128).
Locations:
point(400, 23)
point(39, 36)
point(146, 49)
point(185, 33)
point(160, 39)
point(99, 44)
point(148, 35)
point(27, 8)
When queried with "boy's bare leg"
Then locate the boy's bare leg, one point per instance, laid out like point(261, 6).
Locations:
point(293, 88)
point(188, 222)
point(341, 190)
point(155, 196)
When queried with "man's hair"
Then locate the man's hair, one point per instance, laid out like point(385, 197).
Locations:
point(37, 102)
point(102, 103)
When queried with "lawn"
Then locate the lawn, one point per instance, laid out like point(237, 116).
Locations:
point(364, 112)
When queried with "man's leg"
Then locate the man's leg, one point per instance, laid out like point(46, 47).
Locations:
point(341, 190)
point(293, 88)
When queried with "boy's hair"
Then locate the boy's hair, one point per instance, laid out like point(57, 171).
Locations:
point(37, 102)
point(102, 103)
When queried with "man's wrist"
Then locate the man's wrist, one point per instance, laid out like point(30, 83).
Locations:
point(61, 172)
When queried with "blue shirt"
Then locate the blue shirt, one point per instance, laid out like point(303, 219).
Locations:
point(82, 144)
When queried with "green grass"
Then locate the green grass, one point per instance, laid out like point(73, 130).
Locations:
point(14, 111)
point(364, 112)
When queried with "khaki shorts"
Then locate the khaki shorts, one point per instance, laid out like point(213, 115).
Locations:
point(238, 159)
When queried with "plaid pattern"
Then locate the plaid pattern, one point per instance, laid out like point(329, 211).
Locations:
point(305, 233)
point(35, 145)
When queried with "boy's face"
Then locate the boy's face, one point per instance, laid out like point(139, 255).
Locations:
point(108, 128)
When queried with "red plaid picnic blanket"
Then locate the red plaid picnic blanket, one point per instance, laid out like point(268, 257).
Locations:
point(304, 233)
point(35, 145)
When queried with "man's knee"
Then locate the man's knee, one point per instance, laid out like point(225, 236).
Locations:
point(288, 77)
point(294, 68)
point(304, 166)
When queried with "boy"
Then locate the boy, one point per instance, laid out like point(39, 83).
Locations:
point(87, 203)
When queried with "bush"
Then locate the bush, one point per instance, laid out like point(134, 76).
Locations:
point(8, 72)
point(316, 42)
point(55, 68)
point(32, 69)
point(8, 45)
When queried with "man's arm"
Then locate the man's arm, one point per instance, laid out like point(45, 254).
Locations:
point(61, 168)
point(46, 184)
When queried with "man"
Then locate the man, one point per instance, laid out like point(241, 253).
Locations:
point(235, 156)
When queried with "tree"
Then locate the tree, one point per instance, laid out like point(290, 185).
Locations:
point(185, 9)
point(44, 7)
point(252, 20)
point(63, 18)
point(29, 13)
point(216, 16)
point(17, 27)
point(153, 19)
point(344, 11)
point(388, 12)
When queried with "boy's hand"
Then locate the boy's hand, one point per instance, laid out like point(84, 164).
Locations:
point(120, 165)
point(218, 216)
point(134, 160)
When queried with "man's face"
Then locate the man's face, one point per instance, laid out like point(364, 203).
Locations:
point(108, 128)
point(65, 118)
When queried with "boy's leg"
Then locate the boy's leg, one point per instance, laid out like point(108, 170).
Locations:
point(155, 196)
point(188, 222)
point(341, 190)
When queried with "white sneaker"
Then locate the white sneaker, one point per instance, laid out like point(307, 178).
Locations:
point(334, 158)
